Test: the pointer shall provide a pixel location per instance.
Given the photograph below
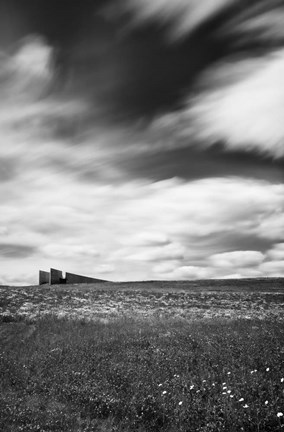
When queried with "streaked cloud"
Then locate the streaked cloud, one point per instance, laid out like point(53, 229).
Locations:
point(131, 152)
point(184, 16)
point(245, 114)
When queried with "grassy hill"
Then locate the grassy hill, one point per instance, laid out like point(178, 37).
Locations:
point(143, 356)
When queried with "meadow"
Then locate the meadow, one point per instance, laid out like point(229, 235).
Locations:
point(156, 356)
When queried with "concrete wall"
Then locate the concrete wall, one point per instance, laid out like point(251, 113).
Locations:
point(43, 277)
point(55, 276)
point(73, 279)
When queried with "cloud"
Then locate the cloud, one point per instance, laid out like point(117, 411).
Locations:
point(27, 72)
point(259, 25)
point(237, 259)
point(272, 268)
point(245, 114)
point(190, 272)
point(239, 104)
point(237, 98)
point(144, 230)
point(16, 250)
point(150, 239)
point(20, 279)
point(168, 252)
point(276, 253)
point(71, 251)
point(131, 200)
point(184, 16)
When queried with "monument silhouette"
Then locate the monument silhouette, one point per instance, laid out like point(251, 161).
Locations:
point(55, 277)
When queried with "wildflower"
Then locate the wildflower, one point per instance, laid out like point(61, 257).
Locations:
point(224, 393)
point(228, 373)
point(204, 381)
point(231, 396)
point(241, 400)
point(253, 371)
point(159, 385)
point(224, 384)
point(224, 388)
point(280, 414)
point(213, 385)
point(267, 369)
point(266, 402)
point(164, 392)
point(191, 387)
point(229, 391)
point(282, 380)
point(245, 406)
point(180, 403)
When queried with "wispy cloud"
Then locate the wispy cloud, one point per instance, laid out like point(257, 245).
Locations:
point(246, 113)
point(184, 16)
point(173, 197)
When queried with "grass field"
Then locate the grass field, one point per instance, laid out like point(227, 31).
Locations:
point(155, 356)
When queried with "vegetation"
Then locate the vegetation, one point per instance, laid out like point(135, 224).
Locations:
point(135, 373)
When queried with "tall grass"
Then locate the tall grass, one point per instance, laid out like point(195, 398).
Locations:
point(151, 375)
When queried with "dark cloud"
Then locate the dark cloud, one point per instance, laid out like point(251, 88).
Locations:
point(11, 250)
point(135, 70)
point(126, 69)
point(193, 162)
point(8, 169)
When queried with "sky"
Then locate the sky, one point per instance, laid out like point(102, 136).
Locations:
point(141, 140)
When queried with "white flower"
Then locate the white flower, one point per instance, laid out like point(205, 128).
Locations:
point(224, 384)
point(213, 385)
point(245, 406)
point(280, 414)
point(267, 369)
point(228, 373)
point(229, 391)
point(191, 387)
point(164, 392)
point(231, 396)
point(224, 393)
point(266, 402)
point(204, 381)
point(180, 403)
point(159, 385)
point(224, 388)
point(241, 400)
point(282, 380)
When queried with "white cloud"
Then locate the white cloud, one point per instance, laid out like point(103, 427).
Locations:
point(26, 73)
point(272, 268)
point(171, 251)
point(246, 113)
point(78, 226)
point(33, 58)
point(237, 259)
point(276, 253)
point(70, 251)
point(154, 238)
point(190, 272)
